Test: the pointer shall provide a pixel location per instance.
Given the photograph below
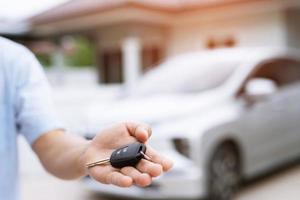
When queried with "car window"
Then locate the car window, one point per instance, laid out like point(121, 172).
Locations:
point(283, 72)
point(185, 76)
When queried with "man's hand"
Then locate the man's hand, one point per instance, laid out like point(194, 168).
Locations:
point(115, 137)
point(65, 155)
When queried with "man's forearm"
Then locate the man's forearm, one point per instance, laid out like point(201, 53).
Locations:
point(60, 154)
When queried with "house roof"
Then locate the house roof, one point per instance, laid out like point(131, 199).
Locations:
point(13, 28)
point(77, 8)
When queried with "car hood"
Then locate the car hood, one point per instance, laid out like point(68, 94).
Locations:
point(194, 125)
point(153, 110)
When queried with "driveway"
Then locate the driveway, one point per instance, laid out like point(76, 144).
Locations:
point(283, 185)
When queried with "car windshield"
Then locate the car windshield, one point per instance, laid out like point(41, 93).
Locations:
point(186, 75)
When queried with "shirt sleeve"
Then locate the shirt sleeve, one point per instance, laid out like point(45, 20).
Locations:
point(34, 107)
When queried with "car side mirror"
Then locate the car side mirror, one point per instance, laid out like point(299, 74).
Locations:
point(258, 89)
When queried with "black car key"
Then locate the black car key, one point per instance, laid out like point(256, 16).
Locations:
point(129, 155)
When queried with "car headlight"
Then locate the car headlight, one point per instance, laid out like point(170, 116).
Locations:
point(89, 136)
point(182, 146)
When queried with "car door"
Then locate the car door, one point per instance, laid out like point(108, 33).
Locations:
point(257, 127)
point(286, 105)
point(269, 123)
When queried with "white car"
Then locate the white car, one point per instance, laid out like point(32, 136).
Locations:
point(223, 116)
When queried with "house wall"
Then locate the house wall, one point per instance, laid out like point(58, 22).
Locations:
point(293, 27)
point(113, 36)
point(257, 29)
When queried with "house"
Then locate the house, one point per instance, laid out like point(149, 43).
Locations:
point(131, 36)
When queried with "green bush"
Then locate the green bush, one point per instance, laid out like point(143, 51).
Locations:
point(83, 54)
point(44, 59)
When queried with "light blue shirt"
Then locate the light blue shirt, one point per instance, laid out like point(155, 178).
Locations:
point(25, 108)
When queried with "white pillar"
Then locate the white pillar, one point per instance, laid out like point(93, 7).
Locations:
point(58, 64)
point(58, 59)
point(131, 50)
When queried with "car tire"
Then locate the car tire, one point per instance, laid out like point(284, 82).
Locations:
point(224, 172)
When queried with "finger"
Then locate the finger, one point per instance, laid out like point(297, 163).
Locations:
point(118, 179)
point(109, 175)
point(166, 163)
point(99, 173)
point(153, 169)
point(140, 179)
point(140, 131)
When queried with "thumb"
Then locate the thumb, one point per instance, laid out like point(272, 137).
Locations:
point(141, 132)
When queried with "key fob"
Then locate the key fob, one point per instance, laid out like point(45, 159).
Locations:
point(129, 155)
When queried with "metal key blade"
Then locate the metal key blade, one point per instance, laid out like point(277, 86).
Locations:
point(145, 156)
point(101, 162)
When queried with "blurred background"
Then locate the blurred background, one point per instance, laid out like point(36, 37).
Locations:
point(99, 55)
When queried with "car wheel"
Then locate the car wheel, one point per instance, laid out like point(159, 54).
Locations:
point(224, 172)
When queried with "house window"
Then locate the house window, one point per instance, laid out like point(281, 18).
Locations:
point(111, 66)
point(151, 57)
point(213, 43)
